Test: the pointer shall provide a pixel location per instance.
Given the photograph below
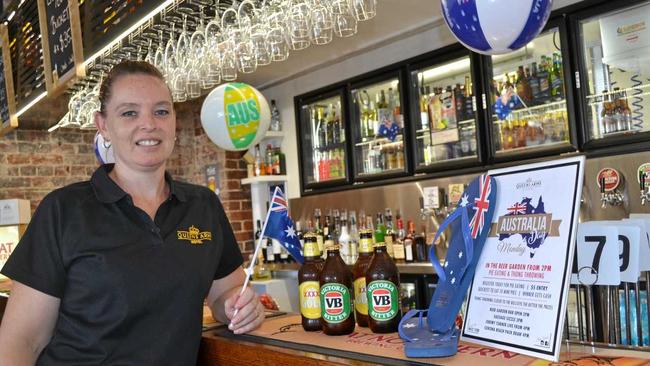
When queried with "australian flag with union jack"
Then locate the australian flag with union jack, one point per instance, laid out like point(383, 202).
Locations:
point(281, 228)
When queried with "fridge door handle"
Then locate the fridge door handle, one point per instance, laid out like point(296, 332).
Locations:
point(577, 75)
point(484, 100)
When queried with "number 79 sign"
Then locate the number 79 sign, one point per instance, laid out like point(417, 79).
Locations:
point(597, 255)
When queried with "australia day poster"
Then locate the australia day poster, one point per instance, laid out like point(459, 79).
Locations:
point(518, 297)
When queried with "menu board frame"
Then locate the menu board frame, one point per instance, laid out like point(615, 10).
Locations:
point(56, 84)
point(7, 126)
point(512, 283)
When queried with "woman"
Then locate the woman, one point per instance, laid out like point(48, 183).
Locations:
point(115, 270)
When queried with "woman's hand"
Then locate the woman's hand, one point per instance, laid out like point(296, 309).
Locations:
point(244, 311)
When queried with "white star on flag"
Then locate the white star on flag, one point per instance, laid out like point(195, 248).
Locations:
point(460, 255)
point(463, 201)
point(453, 280)
point(290, 232)
point(408, 325)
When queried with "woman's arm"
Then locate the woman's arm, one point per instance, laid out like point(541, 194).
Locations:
point(27, 325)
point(224, 298)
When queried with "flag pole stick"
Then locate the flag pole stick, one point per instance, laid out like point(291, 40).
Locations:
point(249, 270)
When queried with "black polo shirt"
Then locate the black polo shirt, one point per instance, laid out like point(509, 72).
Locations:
point(131, 289)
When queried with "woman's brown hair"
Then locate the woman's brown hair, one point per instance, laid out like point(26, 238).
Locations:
point(122, 69)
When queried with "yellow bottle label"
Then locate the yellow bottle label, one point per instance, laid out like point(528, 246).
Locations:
point(389, 245)
point(360, 297)
point(311, 250)
point(310, 299)
point(365, 245)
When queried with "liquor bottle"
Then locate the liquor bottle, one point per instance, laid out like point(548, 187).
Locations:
point(313, 117)
point(318, 231)
point(359, 277)
point(373, 121)
point(270, 256)
point(399, 154)
point(459, 100)
point(420, 244)
point(389, 237)
point(408, 243)
point(276, 123)
point(398, 245)
point(276, 157)
point(345, 241)
point(335, 131)
point(435, 110)
point(301, 236)
point(259, 164)
point(336, 295)
point(382, 289)
point(383, 111)
point(544, 85)
point(533, 81)
point(555, 79)
point(469, 98)
point(322, 131)
point(354, 237)
point(448, 108)
point(424, 110)
point(258, 233)
point(380, 229)
point(269, 159)
point(309, 286)
point(327, 231)
point(329, 121)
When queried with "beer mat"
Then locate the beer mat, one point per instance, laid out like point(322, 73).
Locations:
point(363, 345)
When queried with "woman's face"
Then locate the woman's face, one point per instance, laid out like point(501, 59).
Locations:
point(139, 121)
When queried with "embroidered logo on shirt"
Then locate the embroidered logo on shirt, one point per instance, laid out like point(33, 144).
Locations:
point(194, 235)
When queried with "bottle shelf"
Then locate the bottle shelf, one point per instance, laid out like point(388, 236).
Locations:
point(404, 268)
point(264, 179)
point(381, 141)
point(340, 145)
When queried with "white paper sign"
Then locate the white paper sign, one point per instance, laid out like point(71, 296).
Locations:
point(431, 197)
point(517, 300)
point(597, 246)
point(629, 237)
point(644, 246)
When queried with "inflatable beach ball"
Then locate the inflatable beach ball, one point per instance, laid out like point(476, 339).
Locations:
point(495, 27)
point(104, 155)
point(235, 116)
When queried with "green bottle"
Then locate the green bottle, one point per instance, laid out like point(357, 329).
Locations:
point(380, 229)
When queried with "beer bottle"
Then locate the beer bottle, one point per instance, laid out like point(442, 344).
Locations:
point(359, 272)
point(382, 290)
point(309, 286)
point(398, 245)
point(335, 295)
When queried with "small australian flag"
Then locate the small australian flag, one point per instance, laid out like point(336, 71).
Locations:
point(281, 228)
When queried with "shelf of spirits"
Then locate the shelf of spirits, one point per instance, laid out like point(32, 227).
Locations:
point(378, 129)
point(529, 97)
point(323, 141)
point(616, 72)
point(446, 124)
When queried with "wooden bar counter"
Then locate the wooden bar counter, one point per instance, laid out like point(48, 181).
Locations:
point(277, 343)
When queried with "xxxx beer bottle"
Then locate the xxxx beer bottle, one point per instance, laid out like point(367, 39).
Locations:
point(336, 295)
point(382, 287)
point(308, 277)
point(359, 272)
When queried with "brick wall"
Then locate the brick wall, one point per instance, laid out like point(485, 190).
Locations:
point(34, 162)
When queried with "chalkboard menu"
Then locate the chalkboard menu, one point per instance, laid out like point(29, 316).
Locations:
point(61, 38)
point(8, 120)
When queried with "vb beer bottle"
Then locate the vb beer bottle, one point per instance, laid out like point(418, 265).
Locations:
point(382, 279)
point(336, 295)
point(309, 286)
point(359, 273)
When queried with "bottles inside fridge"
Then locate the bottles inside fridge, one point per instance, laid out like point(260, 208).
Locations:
point(446, 123)
point(323, 136)
point(528, 96)
point(378, 129)
point(615, 50)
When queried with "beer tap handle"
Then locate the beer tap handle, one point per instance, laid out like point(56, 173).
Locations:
point(602, 185)
point(603, 197)
point(642, 180)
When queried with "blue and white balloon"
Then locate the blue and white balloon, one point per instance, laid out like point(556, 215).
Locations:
point(493, 27)
point(103, 154)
